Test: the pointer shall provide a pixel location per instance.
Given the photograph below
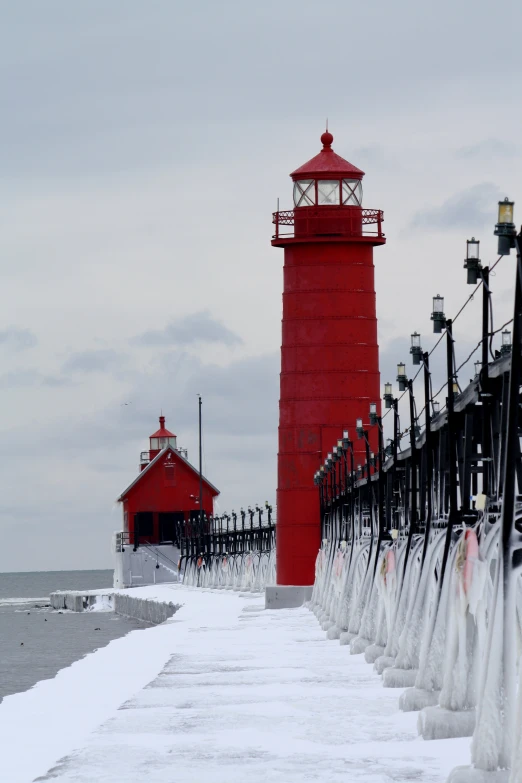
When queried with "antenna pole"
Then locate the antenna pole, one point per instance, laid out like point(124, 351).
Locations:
point(200, 402)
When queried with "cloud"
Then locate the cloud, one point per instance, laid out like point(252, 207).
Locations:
point(488, 148)
point(469, 209)
point(19, 379)
point(194, 328)
point(101, 360)
point(17, 338)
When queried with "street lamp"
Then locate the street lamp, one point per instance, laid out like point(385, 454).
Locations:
point(478, 367)
point(346, 439)
point(436, 407)
point(455, 389)
point(388, 396)
point(505, 228)
point(506, 342)
point(372, 459)
point(402, 378)
point(416, 350)
point(472, 262)
point(373, 413)
point(359, 428)
point(437, 316)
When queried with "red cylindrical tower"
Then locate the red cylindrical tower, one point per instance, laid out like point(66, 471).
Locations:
point(329, 353)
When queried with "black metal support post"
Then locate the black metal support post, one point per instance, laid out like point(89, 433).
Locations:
point(452, 463)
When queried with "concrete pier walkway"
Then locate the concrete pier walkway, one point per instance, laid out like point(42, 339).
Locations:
point(249, 694)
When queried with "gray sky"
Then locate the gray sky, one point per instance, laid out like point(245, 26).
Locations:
point(143, 147)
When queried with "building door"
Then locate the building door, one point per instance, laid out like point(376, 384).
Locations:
point(169, 527)
point(144, 524)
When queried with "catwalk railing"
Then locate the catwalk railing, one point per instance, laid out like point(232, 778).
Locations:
point(420, 562)
point(231, 551)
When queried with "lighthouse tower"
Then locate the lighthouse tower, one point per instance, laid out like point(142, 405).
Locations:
point(329, 353)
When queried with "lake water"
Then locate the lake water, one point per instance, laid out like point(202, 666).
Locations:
point(35, 641)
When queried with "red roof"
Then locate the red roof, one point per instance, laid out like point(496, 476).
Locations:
point(327, 164)
point(157, 459)
point(162, 432)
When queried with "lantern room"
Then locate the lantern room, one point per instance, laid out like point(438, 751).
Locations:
point(157, 441)
point(327, 180)
point(327, 196)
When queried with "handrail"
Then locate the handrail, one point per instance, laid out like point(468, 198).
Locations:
point(328, 221)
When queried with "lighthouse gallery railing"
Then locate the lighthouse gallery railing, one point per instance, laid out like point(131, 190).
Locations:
point(324, 220)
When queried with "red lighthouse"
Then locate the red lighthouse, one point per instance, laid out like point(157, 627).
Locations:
point(329, 354)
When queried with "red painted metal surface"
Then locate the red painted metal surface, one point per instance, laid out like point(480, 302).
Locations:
point(329, 354)
point(327, 164)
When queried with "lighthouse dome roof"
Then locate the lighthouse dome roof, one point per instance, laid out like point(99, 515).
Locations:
point(162, 432)
point(327, 164)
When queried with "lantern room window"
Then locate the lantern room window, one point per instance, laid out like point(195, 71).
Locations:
point(304, 193)
point(328, 191)
point(161, 443)
point(352, 193)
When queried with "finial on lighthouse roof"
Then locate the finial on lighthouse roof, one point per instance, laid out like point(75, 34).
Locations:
point(327, 138)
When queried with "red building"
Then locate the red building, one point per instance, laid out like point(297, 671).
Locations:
point(166, 492)
point(329, 354)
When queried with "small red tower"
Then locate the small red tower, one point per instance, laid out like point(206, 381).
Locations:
point(329, 353)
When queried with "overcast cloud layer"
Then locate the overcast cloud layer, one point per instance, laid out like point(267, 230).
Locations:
point(144, 146)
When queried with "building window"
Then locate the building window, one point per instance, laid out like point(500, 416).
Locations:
point(170, 474)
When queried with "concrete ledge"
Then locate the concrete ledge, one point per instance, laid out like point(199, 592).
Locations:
point(287, 596)
point(146, 609)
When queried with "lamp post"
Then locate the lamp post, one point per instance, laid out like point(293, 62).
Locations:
point(428, 452)
point(376, 420)
point(200, 403)
point(450, 403)
point(485, 395)
point(348, 445)
point(413, 459)
point(363, 433)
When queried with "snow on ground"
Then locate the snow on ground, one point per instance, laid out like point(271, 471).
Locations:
point(223, 691)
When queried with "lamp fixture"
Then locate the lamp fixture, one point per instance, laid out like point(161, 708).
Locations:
point(416, 350)
point(472, 262)
point(505, 228)
point(437, 315)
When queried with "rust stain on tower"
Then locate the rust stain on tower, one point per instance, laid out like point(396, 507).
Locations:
point(329, 352)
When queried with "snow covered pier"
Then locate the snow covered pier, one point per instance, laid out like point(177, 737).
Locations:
point(223, 691)
point(126, 603)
